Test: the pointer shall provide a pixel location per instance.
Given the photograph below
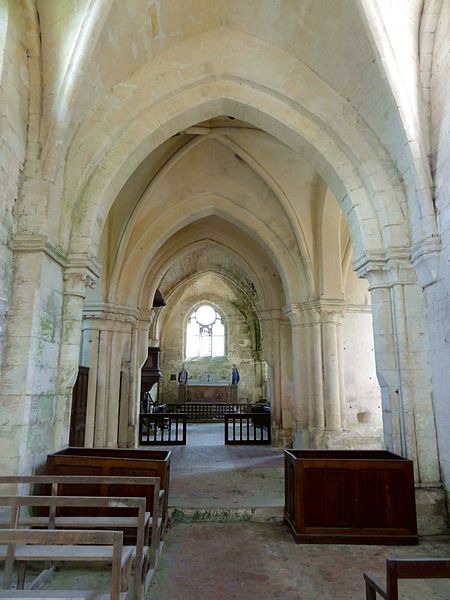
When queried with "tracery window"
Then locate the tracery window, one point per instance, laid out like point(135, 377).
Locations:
point(205, 333)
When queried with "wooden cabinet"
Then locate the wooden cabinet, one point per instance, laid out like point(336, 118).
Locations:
point(350, 496)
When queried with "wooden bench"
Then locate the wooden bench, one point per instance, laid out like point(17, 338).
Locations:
point(66, 485)
point(138, 553)
point(127, 462)
point(405, 568)
point(43, 545)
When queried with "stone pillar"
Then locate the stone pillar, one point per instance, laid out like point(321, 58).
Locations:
point(286, 382)
point(319, 395)
point(331, 371)
point(76, 277)
point(139, 351)
point(300, 405)
point(273, 338)
point(109, 340)
point(340, 351)
point(42, 340)
point(317, 370)
point(404, 372)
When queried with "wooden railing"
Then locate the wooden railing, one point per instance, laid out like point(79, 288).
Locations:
point(162, 429)
point(205, 411)
point(248, 428)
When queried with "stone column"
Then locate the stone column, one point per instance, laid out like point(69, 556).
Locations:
point(403, 368)
point(42, 340)
point(82, 272)
point(317, 370)
point(139, 352)
point(91, 341)
point(273, 338)
point(107, 349)
point(301, 418)
point(28, 386)
point(331, 371)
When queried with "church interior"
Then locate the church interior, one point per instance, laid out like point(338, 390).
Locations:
point(214, 210)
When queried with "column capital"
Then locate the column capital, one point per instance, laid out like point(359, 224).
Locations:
point(294, 312)
point(270, 314)
point(108, 311)
point(31, 243)
point(393, 268)
point(314, 311)
point(81, 271)
point(425, 257)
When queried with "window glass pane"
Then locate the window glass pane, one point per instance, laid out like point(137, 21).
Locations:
point(205, 341)
point(206, 315)
point(205, 333)
point(192, 339)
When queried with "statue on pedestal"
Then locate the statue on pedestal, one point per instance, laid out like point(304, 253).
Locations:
point(183, 376)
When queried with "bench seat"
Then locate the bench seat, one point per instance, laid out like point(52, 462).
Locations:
point(58, 594)
point(69, 553)
point(82, 522)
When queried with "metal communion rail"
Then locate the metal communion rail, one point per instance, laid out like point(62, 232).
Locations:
point(243, 423)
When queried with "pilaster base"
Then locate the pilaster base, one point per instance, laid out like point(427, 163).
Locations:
point(431, 506)
point(302, 437)
point(339, 439)
point(345, 440)
point(282, 437)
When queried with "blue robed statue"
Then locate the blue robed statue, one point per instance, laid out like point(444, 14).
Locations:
point(234, 375)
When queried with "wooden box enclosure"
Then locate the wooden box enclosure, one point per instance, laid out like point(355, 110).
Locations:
point(120, 462)
point(350, 496)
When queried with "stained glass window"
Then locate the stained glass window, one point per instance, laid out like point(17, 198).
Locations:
point(205, 333)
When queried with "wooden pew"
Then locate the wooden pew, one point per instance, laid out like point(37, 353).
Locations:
point(134, 462)
point(138, 553)
point(92, 485)
point(405, 568)
point(19, 545)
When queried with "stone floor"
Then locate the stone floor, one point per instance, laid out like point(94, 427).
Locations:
point(236, 558)
point(227, 540)
point(260, 561)
point(207, 475)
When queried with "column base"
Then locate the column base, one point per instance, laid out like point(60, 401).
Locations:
point(342, 439)
point(432, 513)
point(282, 437)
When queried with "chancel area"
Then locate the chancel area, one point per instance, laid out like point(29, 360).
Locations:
point(225, 233)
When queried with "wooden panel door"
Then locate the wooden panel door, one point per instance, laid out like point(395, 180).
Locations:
point(79, 402)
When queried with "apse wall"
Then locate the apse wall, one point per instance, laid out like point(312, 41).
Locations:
point(238, 345)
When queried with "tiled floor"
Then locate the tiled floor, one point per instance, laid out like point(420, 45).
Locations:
point(255, 561)
point(237, 559)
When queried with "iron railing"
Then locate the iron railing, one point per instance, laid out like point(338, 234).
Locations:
point(248, 428)
point(162, 429)
point(205, 411)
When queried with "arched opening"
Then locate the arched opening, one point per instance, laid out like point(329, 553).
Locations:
point(204, 333)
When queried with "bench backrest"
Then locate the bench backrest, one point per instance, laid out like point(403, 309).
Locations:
point(52, 537)
point(414, 568)
point(101, 486)
point(53, 502)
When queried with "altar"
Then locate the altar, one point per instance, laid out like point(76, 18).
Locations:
point(208, 389)
point(208, 392)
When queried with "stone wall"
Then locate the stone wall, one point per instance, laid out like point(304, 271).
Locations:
point(14, 89)
point(238, 345)
point(438, 294)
